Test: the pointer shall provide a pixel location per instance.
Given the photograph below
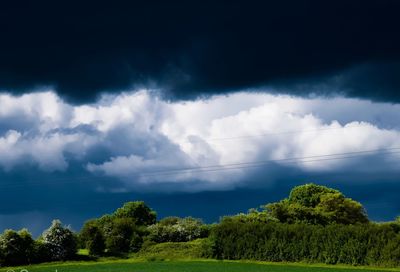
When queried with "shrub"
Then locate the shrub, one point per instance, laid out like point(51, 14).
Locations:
point(92, 238)
point(41, 252)
point(368, 244)
point(60, 241)
point(174, 229)
point(16, 247)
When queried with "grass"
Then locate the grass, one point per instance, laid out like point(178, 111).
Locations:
point(134, 265)
point(174, 250)
point(83, 252)
point(180, 257)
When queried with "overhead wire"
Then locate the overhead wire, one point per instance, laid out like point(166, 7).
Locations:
point(218, 167)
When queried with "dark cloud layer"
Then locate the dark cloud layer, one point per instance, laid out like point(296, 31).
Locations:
point(197, 48)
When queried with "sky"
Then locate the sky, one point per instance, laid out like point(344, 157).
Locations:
point(199, 108)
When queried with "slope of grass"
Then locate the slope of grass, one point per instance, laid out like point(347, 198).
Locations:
point(175, 250)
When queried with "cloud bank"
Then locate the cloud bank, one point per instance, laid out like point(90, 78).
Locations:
point(191, 49)
point(222, 142)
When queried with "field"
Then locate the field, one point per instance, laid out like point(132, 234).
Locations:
point(182, 266)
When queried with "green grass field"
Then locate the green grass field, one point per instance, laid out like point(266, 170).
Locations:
point(182, 266)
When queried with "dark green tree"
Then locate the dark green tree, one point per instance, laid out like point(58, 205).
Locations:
point(92, 237)
point(124, 237)
point(137, 211)
point(16, 247)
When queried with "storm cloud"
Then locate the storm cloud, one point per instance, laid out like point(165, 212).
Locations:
point(192, 49)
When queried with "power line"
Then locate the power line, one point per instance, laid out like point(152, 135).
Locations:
point(293, 159)
point(255, 164)
point(224, 167)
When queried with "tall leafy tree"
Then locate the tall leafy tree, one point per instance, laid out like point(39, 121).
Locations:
point(92, 237)
point(137, 211)
point(316, 204)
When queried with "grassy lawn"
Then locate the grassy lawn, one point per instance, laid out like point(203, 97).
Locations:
point(182, 266)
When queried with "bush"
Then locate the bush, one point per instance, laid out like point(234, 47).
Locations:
point(368, 244)
point(60, 241)
point(16, 247)
point(92, 238)
point(174, 229)
point(41, 252)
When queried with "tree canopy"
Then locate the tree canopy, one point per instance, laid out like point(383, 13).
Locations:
point(138, 211)
point(316, 204)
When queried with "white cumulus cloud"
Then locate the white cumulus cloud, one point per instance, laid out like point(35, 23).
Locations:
point(145, 141)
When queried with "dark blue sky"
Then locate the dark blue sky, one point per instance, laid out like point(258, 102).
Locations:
point(100, 101)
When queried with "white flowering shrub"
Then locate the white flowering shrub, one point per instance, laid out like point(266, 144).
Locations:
point(174, 229)
point(60, 241)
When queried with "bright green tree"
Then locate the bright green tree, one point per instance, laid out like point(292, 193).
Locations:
point(316, 204)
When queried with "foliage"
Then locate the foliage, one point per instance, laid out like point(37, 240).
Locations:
point(368, 244)
point(175, 229)
point(124, 237)
point(41, 252)
point(314, 224)
point(120, 232)
point(315, 204)
point(16, 247)
point(92, 237)
point(137, 211)
point(61, 241)
point(309, 195)
point(253, 215)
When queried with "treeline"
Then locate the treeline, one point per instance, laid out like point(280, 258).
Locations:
point(127, 230)
point(133, 227)
point(57, 243)
point(313, 224)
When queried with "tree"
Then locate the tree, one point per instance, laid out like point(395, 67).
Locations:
point(315, 204)
point(124, 237)
point(61, 241)
point(339, 209)
point(138, 211)
point(16, 247)
point(309, 195)
point(92, 237)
